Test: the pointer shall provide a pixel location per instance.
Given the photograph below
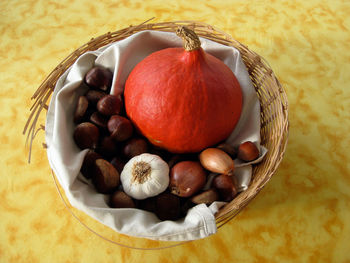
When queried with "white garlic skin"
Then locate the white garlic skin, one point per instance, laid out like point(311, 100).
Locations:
point(156, 183)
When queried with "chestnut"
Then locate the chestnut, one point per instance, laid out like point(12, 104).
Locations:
point(248, 151)
point(107, 147)
point(174, 160)
point(93, 96)
point(120, 128)
point(206, 197)
point(165, 155)
point(86, 135)
point(80, 109)
point(118, 164)
point(148, 204)
point(99, 119)
point(88, 166)
point(99, 77)
point(120, 199)
point(109, 105)
point(186, 178)
point(229, 149)
point(106, 178)
point(186, 205)
point(226, 187)
point(134, 147)
point(168, 206)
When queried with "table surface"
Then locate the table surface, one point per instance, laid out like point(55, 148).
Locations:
point(303, 213)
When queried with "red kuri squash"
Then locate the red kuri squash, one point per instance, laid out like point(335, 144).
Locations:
point(183, 99)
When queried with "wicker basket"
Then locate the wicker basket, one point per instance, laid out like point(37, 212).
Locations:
point(273, 101)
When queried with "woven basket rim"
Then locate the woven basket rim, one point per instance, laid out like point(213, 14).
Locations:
point(255, 65)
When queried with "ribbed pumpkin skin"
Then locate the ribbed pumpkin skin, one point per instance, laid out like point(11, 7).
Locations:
point(183, 101)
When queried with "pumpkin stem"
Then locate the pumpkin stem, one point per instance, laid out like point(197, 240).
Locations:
point(190, 39)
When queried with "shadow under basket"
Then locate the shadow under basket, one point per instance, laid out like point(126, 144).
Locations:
point(272, 97)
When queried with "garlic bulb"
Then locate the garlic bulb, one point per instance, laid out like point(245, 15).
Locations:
point(144, 176)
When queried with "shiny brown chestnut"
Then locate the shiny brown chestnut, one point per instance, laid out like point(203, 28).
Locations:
point(99, 120)
point(174, 160)
point(148, 204)
point(99, 78)
point(165, 155)
point(86, 135)
point(168, 206)
point(186, 178)
point(120, 128)
point(248, 151)
point(226, 187)
point(229, 149)
point(118, 163)
point(80, 109)
point(106, 178)
point(134, 147)
point(93, 96)
point(206, 197)
point(88, 166)
point(107, 147)
point(120, 199)
point(110, 105)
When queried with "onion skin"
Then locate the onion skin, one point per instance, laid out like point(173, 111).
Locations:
point(217, 161)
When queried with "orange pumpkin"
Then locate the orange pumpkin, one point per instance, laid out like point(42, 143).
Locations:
point(183, 99)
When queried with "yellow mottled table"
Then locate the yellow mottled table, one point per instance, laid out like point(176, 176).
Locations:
point(302, 215)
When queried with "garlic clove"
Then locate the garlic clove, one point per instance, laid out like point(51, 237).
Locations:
point(217, 161)
point(144, 176)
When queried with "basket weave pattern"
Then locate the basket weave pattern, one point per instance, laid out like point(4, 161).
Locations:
point(272, 97)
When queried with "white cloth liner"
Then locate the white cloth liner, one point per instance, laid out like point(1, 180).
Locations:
point(65, 157)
